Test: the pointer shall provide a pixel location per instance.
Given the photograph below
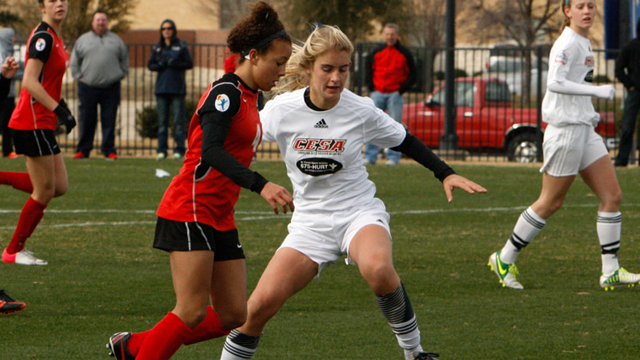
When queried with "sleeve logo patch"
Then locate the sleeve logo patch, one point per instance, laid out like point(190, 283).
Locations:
point(40, 44)
point(222, 103)
point(562, 58)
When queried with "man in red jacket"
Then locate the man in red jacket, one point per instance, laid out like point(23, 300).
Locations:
point(391, 71)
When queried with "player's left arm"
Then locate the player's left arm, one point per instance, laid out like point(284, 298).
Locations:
point(418, 151)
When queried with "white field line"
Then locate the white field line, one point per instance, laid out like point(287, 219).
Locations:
point(256, 215)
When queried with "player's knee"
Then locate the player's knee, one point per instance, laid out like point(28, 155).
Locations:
point(60, 190)
point(382, 278)
point(234, 318)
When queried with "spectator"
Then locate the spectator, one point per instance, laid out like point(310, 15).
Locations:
point(231, 63)
point(7, 39)
point(628, 72)
point(99, 61)
point(390, 73)
point(170, 58)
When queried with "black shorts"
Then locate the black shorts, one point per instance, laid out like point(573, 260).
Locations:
point(35, 143)
point(190, 236)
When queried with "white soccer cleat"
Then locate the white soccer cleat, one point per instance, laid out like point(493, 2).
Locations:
point(619, 278)
point(506, 273)
point(23, 257)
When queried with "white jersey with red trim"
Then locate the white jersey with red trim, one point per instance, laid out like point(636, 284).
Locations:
point(323, 149)
point(570, 59)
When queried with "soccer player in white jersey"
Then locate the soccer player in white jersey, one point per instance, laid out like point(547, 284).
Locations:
point(320, 128)
point(571, 146)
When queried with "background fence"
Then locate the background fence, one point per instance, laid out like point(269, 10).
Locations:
point(523, 70)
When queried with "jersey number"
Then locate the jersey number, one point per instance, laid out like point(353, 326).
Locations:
point(256, 141)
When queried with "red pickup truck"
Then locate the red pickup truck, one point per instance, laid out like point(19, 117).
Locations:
point(486, 120)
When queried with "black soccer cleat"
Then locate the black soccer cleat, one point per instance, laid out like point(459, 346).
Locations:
point(425, 356)
point(8, 305)
point(118, 346)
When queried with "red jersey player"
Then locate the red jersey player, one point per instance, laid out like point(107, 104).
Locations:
point(34, 122)
point(195, 218)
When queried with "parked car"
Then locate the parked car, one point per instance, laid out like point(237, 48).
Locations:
point(486, 120)
point(512, 71)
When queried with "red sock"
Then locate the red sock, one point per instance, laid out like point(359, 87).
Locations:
point(18, 180)
point(30, 217)
point(209, 328)
point(135, 342)
point(164, 339)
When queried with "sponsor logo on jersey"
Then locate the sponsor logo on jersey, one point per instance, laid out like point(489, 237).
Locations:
point(321, 125)
point(562, 58)
point(40, 44)
point(589, 60)
point(589, 77)
point(222, 103)
point(319, 146)
point(318, 166)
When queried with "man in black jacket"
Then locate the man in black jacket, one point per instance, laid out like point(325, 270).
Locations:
point(628, 72)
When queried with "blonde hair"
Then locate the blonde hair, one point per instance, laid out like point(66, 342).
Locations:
point(322, 39)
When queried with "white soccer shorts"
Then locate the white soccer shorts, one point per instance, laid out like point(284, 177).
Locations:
point(325, 237)
point(567, 150)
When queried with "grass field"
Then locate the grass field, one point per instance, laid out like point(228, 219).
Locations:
point(103, 275)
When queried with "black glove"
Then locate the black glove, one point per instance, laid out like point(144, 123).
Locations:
point(66, 121)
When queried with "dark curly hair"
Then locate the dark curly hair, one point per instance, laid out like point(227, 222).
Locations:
point(257, 31)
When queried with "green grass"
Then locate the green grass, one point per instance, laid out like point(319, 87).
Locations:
point(103, 275)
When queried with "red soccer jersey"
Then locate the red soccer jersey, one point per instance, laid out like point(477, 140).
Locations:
point(45, 45)
point(199, 192)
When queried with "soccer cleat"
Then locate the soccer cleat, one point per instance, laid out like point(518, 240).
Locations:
point(23, 257)
point(177, 156)
point(618, 278)
point(112, 157)
point(80, 155)
point(419, 355)
point(506, 273)
point(161, 156)
point(13, 156)
point(8, 305)
point(118, 346)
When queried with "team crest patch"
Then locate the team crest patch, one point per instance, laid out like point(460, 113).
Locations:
point(222, 103)
point(589, 61)
point(562, 58)
point(40, 44)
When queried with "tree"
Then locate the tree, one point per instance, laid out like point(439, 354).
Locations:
point(356, 18)
point(79, 17)
point(227, 11)
point(524, 21)
point(7, 18)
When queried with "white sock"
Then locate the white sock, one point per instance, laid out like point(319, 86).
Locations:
point(408, 354)
point(529, 224)
point(609, 227)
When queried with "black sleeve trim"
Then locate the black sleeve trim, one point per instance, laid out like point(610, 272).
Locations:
point(418, 151)
point(5, 87)
point(215, 127)
point(40, 46)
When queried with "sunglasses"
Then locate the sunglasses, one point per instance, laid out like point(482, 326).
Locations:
point(167, 28)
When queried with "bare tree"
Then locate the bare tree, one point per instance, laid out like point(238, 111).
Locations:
point(526, 22)
point(227, 11)
point(78, 19)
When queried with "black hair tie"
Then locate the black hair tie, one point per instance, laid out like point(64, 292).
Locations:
point(263, 43)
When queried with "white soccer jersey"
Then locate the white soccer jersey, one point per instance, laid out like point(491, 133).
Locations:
point(323, 149)
point(570, 59)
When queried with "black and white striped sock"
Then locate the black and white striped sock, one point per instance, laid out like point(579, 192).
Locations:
point(239, 346)
point(396, 308)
